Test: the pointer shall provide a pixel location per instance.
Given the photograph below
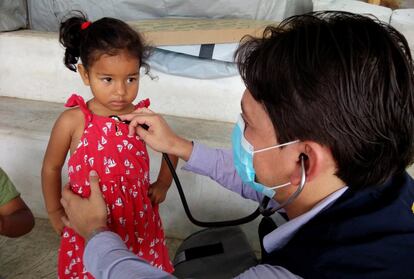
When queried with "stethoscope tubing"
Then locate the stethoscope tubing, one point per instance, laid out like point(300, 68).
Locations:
point(261, 209)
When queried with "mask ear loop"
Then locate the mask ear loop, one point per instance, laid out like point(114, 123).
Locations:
point(267, 212)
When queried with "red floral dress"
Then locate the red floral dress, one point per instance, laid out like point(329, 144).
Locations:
point(122, 164)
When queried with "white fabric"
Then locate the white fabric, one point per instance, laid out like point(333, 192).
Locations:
point(403, 21)
point(358, 7)
point(46, 14)
point(12, 15)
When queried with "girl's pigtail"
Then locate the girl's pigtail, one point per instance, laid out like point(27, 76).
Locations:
point(70, 35)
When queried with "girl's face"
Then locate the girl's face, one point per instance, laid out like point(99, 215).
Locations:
point(114, 82)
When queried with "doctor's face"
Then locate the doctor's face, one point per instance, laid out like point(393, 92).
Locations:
point(271, 166)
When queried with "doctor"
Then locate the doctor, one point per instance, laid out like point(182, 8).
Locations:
point(327, 130)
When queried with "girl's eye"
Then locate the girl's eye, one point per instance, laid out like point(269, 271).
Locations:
point(131, 79)
point(107, 79)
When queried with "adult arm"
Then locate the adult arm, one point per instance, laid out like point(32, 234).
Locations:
point(215, 163)
point(267, 271)
point(107, 257)
point(16, 219)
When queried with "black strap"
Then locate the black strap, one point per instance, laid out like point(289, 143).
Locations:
point(199, 252)
point(206, 51)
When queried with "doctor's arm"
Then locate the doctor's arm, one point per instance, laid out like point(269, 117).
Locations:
point(215, 163)
point(106, 256)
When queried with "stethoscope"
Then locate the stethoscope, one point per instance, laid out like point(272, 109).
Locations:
point(261, 209)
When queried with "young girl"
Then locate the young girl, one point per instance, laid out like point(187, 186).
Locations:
point(111, 55)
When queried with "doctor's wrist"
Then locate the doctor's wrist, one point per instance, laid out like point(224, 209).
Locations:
point(95, 232)
point(183, 148)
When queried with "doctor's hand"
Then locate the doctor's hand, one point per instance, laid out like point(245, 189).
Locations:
point(85, 215)
point(159, 135)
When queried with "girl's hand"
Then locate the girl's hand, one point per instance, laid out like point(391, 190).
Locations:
point(55, 218)
point(159, 135)
point(157, 192)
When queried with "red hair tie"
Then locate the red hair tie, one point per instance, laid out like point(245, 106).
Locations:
point(85, 25)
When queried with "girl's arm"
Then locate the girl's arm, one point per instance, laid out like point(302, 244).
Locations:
point(158, 190)
point(57, 149)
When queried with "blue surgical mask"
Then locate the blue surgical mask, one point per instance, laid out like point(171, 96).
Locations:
point(243, 153)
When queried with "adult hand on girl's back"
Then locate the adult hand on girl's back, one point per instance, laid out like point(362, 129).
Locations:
point(85, 215)
point(159, 135)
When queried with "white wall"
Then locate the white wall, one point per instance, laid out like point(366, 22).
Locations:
point(32, 68)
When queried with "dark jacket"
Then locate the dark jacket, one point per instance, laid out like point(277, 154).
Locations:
point(364, 234)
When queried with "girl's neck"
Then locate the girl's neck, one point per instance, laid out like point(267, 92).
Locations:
point(101, 110)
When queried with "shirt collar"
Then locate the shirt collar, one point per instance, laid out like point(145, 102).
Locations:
point(280, 236)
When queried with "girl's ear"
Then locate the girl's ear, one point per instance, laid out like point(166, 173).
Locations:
point(84, 74)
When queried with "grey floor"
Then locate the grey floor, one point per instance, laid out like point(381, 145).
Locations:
point(34, 255)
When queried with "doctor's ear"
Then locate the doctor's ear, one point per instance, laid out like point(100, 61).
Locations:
point(303, 157)
point(317, 161)
point(84, 74)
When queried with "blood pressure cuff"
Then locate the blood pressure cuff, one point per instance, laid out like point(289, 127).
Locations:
point(214, 253)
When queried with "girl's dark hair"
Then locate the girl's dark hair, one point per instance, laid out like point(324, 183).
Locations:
point(343, 80)
point(104, 36)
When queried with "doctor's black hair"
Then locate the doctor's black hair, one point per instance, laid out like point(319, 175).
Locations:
point(104, 36)
point(343, 80)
